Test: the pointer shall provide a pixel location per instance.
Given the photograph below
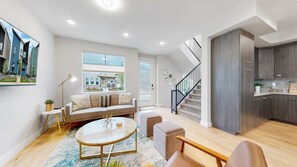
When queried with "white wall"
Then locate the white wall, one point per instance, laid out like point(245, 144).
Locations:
point(181, 61)
point(20, 106)
point(163, 89)
point(69, 61)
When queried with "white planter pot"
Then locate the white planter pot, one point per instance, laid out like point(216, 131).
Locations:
point(258, 88)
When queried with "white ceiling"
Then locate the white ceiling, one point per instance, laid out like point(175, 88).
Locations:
point(150, 21)
point(284, 12)
point(147, 21)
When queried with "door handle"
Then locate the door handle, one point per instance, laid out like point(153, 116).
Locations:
point(152, 86)
point(278, 75)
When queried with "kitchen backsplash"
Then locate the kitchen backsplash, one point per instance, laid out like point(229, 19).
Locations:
point(281, 84)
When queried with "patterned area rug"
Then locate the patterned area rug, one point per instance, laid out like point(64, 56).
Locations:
point(66, 154)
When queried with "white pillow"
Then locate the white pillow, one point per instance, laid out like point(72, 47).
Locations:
point(125, 98)
point(80, 102)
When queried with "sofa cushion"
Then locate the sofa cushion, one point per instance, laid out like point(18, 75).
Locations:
point(95, 100)
point(90, 110)
point(80, 102)
point(114, 99)
point(108, 100)
point(121, 109)
point(88, 114)
point(125, 98)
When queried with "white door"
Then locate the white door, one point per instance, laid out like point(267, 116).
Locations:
point(147, 82)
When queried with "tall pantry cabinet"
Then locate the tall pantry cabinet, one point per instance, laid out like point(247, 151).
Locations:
point(232, 80)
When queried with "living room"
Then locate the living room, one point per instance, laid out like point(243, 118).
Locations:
point(152, 73)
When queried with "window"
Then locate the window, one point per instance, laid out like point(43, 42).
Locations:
point(103, 72)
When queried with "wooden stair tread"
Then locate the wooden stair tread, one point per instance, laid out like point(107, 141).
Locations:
point(191, 106)
point(197, 115)
point(194, 100)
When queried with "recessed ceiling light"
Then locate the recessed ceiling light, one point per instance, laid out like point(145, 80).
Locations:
point(109, 4)
point(126, 35)
point(162, 43)
point(71, 22)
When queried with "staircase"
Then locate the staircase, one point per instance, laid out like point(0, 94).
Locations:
point(186, 98)
point(191, 107)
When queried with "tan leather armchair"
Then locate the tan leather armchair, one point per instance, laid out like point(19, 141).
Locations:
point(246, 154)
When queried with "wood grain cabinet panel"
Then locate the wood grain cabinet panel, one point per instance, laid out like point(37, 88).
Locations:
point(281, 62)
point(285, 59)
point(281, 107)
point(232, 69)
point(264, 59)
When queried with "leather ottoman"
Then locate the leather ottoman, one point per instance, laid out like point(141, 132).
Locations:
point(165, 138)
point(147, 122)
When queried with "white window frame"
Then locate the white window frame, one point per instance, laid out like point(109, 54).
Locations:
point(103, 68)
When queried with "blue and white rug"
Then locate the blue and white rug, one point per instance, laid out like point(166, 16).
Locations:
point(66, 154)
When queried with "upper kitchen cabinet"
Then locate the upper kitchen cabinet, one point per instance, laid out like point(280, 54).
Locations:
point(264, 62)
point(285, 59)
point(293, 60)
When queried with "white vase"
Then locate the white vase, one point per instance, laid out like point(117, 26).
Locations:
point(258, 88)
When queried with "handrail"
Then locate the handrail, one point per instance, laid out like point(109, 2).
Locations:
point(197, 42)
point(192, 52)
point(187, 74)
point(188, 93)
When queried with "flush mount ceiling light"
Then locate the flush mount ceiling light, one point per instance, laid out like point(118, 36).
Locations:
point(162, 43)
point(126, 35)
point(109, 4)
point(71, 22)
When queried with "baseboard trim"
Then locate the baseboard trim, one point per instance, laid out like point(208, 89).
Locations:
point(18, 148)
point(205, 124)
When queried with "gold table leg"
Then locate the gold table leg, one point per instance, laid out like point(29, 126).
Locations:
point(108, 154)
point(58, 121)
point(101, 156)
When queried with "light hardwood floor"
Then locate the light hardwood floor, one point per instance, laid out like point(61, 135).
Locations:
point(278, 141)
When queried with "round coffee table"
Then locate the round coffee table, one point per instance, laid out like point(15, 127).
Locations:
point(97, 134)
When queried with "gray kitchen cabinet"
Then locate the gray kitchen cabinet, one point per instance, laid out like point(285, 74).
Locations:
point(281, 107)
point(281, 61)
point(293, 60)
point(264, 62)
point(292, 112)
point(232, 69)
point(263, 110)
point(267, 110)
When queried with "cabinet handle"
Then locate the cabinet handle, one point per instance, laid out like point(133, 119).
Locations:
point(248, 69)
point(278, 75)
point(248, 62)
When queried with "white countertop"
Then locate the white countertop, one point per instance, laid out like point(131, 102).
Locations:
point(273, 93)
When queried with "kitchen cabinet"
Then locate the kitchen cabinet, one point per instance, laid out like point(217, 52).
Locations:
point(292, 112)
point(281, 61)
point(264, 62)
point(285, 59)
point(293, 60)
point(281, 107)
point(232, 69)
point(263, 110)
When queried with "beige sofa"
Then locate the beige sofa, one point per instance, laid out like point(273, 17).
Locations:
point(92, 112)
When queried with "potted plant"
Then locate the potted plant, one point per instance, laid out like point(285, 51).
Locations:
point(49, 105)
point(258, 87)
